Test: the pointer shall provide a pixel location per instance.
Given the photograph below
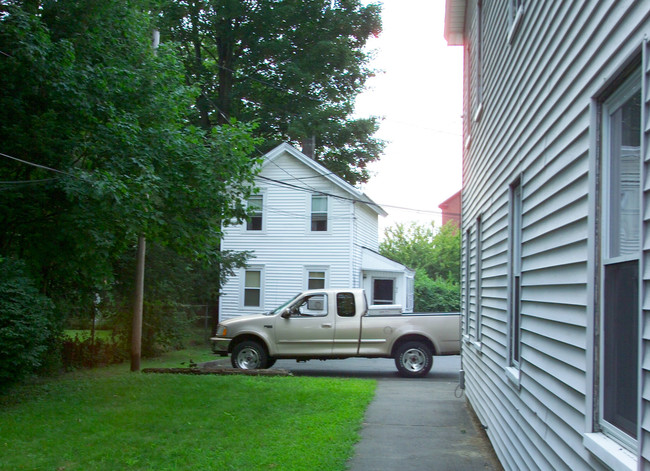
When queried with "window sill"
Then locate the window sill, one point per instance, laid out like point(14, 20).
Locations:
point(609, 452)
point(514, 376)
point(478, 113)
point(467, 142)
point(515, 24)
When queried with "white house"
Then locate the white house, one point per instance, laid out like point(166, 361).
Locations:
point(310, 229)
point(556, 228)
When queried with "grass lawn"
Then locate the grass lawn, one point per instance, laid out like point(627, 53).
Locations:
point(108, 419)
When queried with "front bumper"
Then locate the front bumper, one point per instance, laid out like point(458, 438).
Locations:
point(220, 345)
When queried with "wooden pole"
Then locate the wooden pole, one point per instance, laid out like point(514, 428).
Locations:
point(136, 332)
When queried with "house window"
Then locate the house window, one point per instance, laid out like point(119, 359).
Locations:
point(383, 291)
point(515, 15)
point(318, 213)
point(479, 60)
point(621, 252)
point(514, 287)
point(468, 278)
point(316, 279)
point(255, 218)
point(479, 257)
point(253, 288)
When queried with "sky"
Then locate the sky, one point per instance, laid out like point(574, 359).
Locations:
point(419, 94)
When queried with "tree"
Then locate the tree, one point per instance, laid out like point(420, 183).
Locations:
point(435, 254)
point(437, 251)
point(292, 66)
point(98, 148)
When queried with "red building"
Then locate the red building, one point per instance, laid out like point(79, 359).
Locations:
point(451, 209)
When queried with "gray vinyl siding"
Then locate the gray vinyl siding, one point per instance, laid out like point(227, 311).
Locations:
point(537, 124)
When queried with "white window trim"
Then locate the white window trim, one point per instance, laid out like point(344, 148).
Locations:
point(372, 285)
point(516, 20)
point(514, 267)
point(312, 268)
point(610, 452)
point(245, 229)
point(479, 280)
point(329, 214)
point(242, 294)
point(611, 433)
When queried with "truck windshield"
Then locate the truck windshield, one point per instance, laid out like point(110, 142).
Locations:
point(282, 307)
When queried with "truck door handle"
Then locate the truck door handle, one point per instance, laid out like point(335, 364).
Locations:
point(329, 326)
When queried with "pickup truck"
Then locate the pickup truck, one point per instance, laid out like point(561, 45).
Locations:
point(336, 324)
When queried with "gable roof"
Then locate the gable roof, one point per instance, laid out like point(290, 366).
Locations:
point(354, 194)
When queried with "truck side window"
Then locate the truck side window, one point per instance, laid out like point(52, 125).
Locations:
point(312, 306)
point(345, 304)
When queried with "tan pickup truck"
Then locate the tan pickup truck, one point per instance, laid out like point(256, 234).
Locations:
point(329, 324)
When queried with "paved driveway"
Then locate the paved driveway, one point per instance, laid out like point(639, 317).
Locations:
point(412, 424)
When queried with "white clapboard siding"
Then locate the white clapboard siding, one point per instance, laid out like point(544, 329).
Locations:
point(286, 248)
point(537, 124)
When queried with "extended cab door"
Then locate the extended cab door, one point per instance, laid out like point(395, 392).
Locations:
point(309, 330)
point(348, 322)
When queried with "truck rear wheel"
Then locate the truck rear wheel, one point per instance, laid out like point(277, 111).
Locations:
point(413, 359)
point(249, 355)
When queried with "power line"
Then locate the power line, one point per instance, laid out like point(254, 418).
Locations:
point(37, 165)
point(345, 198)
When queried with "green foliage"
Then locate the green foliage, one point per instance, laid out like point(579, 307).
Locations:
point(437, 295)
point(116, 420)
point(26, 321)
point(85, 94)
point(84, 352)
point(293, 66)
point(435, 254)
point(437, 251)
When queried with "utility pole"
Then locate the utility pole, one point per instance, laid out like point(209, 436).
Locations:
point(136, 333)
point(136, 328)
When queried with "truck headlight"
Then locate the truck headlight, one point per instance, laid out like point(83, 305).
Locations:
point(221, 330)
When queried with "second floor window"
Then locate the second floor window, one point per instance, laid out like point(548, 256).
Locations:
point(255, 218)
point(318, 213)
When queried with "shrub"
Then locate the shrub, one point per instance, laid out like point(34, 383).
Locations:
point(26, 327)
point(86, 353)
point(437, 295)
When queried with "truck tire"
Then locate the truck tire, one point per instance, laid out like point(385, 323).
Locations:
point(413, 359)
point(249, 355)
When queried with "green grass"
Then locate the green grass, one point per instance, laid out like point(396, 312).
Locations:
point(109, 419)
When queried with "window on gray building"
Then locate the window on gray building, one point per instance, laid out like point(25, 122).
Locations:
point(621, 252)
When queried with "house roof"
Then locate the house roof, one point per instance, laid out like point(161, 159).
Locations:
point(372, 260)
point(445, 203)
point(355, 194)
point(455, 21)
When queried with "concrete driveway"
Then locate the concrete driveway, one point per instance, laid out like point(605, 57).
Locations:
point(412, 424)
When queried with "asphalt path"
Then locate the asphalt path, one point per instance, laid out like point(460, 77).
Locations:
point(411, 424)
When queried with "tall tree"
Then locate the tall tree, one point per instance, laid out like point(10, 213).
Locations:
point(97, 147)
point(294, 67)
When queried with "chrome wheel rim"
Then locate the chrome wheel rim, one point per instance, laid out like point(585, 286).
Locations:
point(248, 359)
point(414, 360)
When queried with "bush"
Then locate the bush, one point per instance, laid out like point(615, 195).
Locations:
point(26, 327)
point(437, 295)
point(84, 353)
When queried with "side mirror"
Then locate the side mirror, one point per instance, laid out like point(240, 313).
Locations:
point(286, 314)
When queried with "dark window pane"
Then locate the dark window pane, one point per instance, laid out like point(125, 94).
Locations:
point(382, 292)
point(251, 297)
point(620, 356)
point(345, 304)
point(319, 222)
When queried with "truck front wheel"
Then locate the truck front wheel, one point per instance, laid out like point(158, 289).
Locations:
point(249, 355)
point(413, 359)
